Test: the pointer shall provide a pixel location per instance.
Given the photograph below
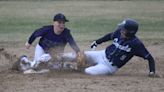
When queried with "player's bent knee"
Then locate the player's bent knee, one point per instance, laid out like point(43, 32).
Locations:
point(44, 58)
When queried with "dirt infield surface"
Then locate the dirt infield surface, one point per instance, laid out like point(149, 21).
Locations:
point(131, 78)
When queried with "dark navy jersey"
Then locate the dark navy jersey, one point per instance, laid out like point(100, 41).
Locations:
point(122, 50)
point(49, 39)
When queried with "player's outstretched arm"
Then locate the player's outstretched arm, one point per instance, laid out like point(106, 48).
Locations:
point(101, 40)
point(152, 72)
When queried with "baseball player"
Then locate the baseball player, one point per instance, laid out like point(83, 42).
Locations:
point(52, 36)
point(125, 45)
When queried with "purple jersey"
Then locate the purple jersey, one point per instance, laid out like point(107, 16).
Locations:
point(49, 39)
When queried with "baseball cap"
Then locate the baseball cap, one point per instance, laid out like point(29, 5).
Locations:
point(60, 17)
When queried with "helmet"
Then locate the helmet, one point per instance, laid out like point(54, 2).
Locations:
point(131, 26)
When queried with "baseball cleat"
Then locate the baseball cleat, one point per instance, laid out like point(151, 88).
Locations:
point(23, 59)
point(24, 63)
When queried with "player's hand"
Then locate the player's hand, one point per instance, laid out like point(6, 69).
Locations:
point(27, 45)
point(153, 75)
point(93, 45)
point(81, 61)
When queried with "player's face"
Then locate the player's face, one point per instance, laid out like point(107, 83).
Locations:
point(123, 33)
point(59, 26)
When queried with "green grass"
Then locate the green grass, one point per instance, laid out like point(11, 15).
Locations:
point(89, 20)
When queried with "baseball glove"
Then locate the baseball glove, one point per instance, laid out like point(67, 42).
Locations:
point(81, 59)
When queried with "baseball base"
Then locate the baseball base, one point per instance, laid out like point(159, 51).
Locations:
point(32, 71)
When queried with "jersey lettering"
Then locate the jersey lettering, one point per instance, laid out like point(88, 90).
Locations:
point(121, 47)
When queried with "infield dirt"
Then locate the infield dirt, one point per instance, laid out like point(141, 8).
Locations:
point(131, 78)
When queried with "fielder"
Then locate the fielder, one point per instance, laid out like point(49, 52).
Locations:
point(125, 45)
point(54, 36)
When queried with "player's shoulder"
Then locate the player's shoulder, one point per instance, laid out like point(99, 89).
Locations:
point(137, 41)
point(48, 26)
point(66, 30)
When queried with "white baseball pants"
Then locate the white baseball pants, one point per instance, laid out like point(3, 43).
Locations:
point(97, 58)
point(40, 55)
point(102, 65)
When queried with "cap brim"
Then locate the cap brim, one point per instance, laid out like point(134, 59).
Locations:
point(66, 20)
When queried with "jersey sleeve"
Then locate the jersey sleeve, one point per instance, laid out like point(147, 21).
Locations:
point(109, 36)
point(71, 41)
point(37, 33)
point(104, 38)
point(143, 52)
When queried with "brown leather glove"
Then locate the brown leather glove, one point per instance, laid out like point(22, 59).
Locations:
point(81, 59)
